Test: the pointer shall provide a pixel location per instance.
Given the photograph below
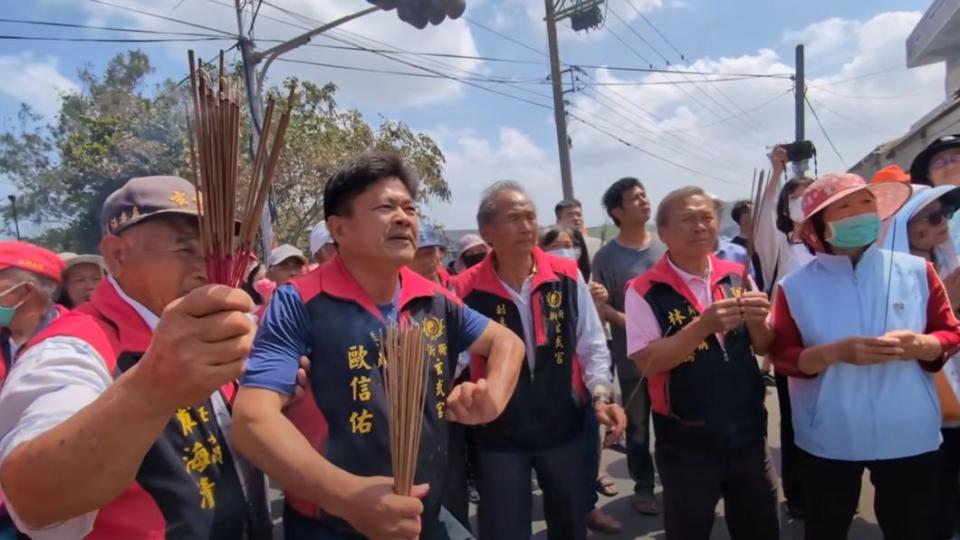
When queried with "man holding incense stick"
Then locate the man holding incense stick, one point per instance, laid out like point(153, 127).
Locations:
point(544, 299)
point(331, 453)
point(114, 420)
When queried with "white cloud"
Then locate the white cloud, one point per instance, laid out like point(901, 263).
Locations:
point(453, 37)
point(474, 162)
point(36, 82)
point(688, 128)
point(829, 36)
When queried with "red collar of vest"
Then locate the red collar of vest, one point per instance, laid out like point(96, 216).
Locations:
point(663, 272)
point(133, 333)
point(334, 278)
point(548, 268)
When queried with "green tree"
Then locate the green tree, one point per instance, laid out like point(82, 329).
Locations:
point(118, 127)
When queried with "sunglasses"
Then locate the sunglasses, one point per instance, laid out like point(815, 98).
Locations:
point(936, 218)
point(945, 161)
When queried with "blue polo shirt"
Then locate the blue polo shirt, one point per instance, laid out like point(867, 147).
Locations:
point(284, 334)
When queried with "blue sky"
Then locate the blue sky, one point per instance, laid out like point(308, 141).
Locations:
point(700, 128)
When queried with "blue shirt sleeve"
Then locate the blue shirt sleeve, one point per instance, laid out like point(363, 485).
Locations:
point(472, 325)
point(281, 341)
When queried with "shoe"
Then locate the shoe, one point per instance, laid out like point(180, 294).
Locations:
point(645, 505)
point(600, 521)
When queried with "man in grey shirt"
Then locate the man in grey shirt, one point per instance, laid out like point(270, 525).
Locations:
point(630, 254)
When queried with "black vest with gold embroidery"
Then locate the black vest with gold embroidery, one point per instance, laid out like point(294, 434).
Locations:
point(546, 408)
point(716, 398)
point(347, 387)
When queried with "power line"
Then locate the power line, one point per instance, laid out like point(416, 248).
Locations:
point(163, 17)
point(827, 90)
point(863, 76)
point(637, 34)
point(824, 131)
point(873, 129)
point(399, 73)
point(627, 45)
point(655, 29)
point(724, 120)
point(111, 40)
point(652, 154)
point(107, 28)
point(682, 141)
point(504, 36)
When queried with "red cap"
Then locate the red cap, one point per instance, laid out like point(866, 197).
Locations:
point(890, 173)
point(31, 258)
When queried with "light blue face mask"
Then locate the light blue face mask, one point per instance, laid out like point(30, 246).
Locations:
point(7, 313)
point(854, 231)
point(566, 253)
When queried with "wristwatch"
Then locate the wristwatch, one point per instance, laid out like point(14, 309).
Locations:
point(602, 395)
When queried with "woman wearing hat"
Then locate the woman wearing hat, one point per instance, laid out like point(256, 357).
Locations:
point(920, 228)
point(81, 276)
point(860, 331)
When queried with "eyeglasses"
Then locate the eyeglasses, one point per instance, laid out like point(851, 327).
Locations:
point(940, 163)
point(936, 218)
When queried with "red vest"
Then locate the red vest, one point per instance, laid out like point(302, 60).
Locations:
point(187, 486)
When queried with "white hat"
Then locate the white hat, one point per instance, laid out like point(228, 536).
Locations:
point(284, 252)
point(71, 259)
point(319, 237)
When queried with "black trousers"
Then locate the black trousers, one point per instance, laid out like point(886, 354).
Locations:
point(456, 494)
point(695, 478)
point(639, 460)
point(949, 481)
point(506, 499)
point(905, 500)
point(789, 456)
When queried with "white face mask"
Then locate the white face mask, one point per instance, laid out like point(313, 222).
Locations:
point(566, 253)
point(796, 210)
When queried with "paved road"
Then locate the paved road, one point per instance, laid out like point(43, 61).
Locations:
point(638, 527)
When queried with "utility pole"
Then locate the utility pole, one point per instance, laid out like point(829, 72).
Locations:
point(559, 111)
point(583, 15)
point(799, 95)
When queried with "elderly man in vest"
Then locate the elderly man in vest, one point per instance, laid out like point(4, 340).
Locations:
point(114, 421)
point(332, 454)
point(693, 328)
point(544, 299)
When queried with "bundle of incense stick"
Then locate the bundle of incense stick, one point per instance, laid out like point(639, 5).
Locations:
point(405, 381)
point(757, 196)
point(214, 138)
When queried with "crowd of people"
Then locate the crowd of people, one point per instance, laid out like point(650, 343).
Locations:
point(139, 401)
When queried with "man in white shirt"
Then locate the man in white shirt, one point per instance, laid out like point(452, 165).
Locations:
point(114, 421)
point(544, 299)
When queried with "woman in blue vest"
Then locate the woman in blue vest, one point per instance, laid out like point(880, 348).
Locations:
point(860, 331)
point(921, 228)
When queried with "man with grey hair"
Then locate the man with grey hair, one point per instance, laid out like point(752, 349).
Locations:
point(693, 324)
point(543, 299)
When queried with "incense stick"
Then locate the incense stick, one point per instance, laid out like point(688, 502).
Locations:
point(405, 381)
point(214, 137)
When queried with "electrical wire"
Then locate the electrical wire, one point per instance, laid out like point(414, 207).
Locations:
point(655, 29)
point(638, 36)
point(111, 40)
point(159, 16)
point(94, 27)
point(824, 131)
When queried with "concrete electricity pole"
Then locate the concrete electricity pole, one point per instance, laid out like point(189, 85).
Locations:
point(800, 99)
point(583, 14)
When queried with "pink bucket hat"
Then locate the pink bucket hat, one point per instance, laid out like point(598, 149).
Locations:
point(830, 188)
